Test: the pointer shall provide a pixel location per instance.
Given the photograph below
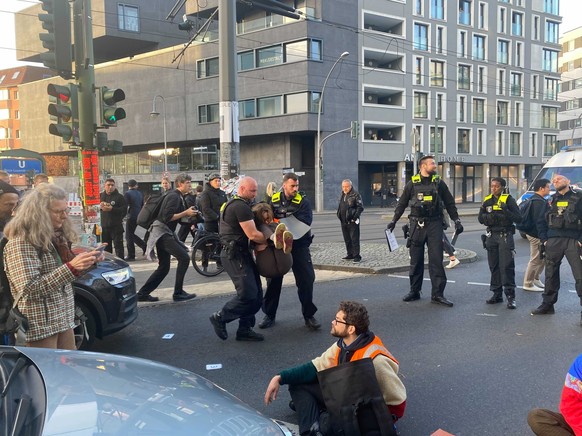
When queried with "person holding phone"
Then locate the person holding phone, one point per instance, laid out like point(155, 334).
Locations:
point(113, 210)
point(40, 266)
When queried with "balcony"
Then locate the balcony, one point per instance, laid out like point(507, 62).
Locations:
point(383, 61)
point(383, 97)
point(389, 25)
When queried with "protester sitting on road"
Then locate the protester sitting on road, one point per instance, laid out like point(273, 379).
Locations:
point(355, 342)
point(40, 266)
point(274, 257)
point(544, 422)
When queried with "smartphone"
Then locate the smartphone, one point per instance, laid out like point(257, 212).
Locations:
point(100, 248)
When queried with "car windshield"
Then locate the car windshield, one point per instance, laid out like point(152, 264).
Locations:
point(572, 173)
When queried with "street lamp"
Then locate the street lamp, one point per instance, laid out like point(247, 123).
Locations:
point(154, 114)
point(318, 149)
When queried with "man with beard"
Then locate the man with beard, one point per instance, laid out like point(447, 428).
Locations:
point(113, 209)
point(355, 342)
point(427, 194)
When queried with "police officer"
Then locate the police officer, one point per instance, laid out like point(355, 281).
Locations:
point(561, 234)
point(349, 209)
point(237, 227)
point(427, 194)
point(286, 202)
point(498, 212)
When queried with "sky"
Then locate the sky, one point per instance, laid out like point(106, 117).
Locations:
point(570, 20)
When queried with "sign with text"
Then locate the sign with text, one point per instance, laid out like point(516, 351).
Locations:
point(91, 176)
point(20, 166)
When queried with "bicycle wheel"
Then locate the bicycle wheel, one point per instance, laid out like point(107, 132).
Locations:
point(206, 256)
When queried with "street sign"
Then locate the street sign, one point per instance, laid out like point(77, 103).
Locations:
point(20, 166)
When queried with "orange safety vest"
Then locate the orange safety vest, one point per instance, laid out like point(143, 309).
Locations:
point(371, 350)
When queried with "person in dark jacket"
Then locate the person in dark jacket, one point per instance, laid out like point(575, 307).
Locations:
point(211, 200)
point(427, 195)
point(538, 209)
point(348, 211)
point(113, 209)
point(561, 235)
point(189, 226)
point(134, 200)
point(498, 212)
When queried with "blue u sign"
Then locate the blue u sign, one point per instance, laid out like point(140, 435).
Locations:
point(20, 166)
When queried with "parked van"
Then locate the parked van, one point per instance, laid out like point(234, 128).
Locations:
point(568, 162)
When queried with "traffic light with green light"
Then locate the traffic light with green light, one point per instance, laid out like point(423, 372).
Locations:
point(108, 113)
point(63, 111)
point(57, 22)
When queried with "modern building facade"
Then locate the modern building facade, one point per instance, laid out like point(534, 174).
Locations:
point(473, 82)
point(570, 64)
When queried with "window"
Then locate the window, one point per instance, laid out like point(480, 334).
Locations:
point(552, 32)
point(552, 6)
point(462, 44)
point(16, 114)
point(550, 62)
point(533, 145)
point(246, 60)
point(437, 9)
point(464, 141)
point(536, 28)
point(247, 109)
point(269, 106)
point(478, 110)
point(516, 84)
point(4, 133)
point(436, 141)
point(551, 89)
point(462, 108)
point(4, 94)
point(301, 102)
point(437, 69)
point(550, 144)
point(517, 114)
point(502, 108)
point(418, 71)
point(501, 20)
point(500, 144)
point(534, 86)
point(128, 17)
point(549, 117)
point(480, 142)
point(464, 77)
point(16, 94)
point(420, 105)
point(269, 56)
point(518, 56)
point(440, 39)
point(302, 50)
point(515, 144)
point(517, 24)
point(420, 37)
point(501, 83)
point(418, 7)
point(15, 75)
point(482, 15)
point(439, 107)
point(481, 79)
point(17, 135)
point(465, 12)
point(503, 51)
point(479, 47)
point(208, 113)
point(573, 104)
point(207, 68)
point(4, 114)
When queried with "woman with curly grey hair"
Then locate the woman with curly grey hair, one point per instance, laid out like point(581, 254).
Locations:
point(40, 266)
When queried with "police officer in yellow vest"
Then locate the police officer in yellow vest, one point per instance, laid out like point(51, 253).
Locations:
point(427, 196)
point(498, 212)
point(290, 202)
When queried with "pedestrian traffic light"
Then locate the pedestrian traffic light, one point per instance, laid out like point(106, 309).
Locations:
point(355, 129)
point(57, 22)
point(108, 112)
point(63, 110)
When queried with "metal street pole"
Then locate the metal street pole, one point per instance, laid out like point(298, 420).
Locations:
point(155, 114)
point(318, 148)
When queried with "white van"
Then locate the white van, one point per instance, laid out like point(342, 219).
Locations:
point(568, 162)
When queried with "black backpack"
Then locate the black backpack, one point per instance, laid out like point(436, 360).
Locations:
point(528, 221)
point(150, 211)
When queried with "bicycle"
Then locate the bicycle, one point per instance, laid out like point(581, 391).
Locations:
point(206, 255)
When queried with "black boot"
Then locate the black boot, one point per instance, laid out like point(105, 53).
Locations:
point(511, 303)
point(497, 298)
point(412, 296)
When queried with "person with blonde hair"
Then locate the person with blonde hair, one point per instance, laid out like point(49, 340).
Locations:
point(40, 266)
point(271, 189)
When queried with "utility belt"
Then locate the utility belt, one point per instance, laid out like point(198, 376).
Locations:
point(501, 232)
point(234, 250)
point(422, 220)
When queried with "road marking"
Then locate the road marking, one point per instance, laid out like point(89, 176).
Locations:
point(478, 284)
point(486, 314)
point(426, 279)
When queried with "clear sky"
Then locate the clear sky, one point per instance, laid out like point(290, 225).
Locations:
point(569, 9)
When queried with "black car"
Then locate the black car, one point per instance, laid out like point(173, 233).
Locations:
point(105, 301)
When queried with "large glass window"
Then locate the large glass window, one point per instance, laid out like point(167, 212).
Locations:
point(246, 60)
point(247, 109)
point(516, 84)
point(550, 62)
point(464, 77)
point(465, 12)
point(479, 47)
point(517, 24)
point(4, 94)
point(515, 144)
point(437, 71)
point(297, 103)
point(208, 113)
point(296, 51)
point(207, 68)
point(420, 37)
point(437, 9)
point(269, 56)
point(128, 17)
point(502, 113)
point(552, 6)
point(551, 89)
point(269, 106)
point(420, 105)
point(464, 141)
point(478, 110)
point(549, 117)
point(550, 145)
point(503, 51)
point(436, 141)
point(552, 31)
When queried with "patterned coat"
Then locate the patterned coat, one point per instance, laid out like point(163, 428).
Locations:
point(47, 300)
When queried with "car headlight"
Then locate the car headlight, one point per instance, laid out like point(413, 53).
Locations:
point(118, 276)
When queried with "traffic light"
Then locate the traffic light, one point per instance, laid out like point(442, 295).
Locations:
point(105, 146)
point(355, 129)
point(108, 113)
point(57, 22)
point(63, 110)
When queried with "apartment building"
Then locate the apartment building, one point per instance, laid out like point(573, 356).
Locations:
point(473, 82)
point(570, 96)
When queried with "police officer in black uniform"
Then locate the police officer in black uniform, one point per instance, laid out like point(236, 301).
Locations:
point(289, 201)
point(498, 212)
point(561, 234)
point(427, 196)
point(237, 227)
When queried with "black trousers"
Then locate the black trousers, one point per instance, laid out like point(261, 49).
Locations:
point(184, 230)
point(308, 401)
point(113, 235)
point(556, 249)
point(167, 246)
point(431, 234)
point(249, 291)
point(304, 278)
point(500, 256)
point(131, 239)
point(351, 233)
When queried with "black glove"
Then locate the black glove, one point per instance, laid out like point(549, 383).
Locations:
point(406, 231)
point(458, 227)
point(503, 205)
point(391, 226)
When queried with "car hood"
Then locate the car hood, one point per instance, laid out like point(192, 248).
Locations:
point(91, 393)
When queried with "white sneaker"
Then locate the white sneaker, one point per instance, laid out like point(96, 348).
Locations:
point(453, 263)
point(533, 288)
point(539, 284)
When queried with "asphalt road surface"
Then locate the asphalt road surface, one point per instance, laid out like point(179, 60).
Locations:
point(474, 369)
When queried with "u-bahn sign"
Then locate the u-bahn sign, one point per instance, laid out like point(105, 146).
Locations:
point(20, 166)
